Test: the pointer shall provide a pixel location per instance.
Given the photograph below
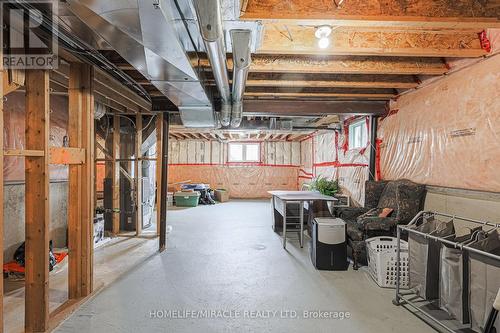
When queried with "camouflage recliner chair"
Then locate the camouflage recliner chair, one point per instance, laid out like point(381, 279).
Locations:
point(404, 197)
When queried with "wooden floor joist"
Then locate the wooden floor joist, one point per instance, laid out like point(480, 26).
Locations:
point(300, 39)
point(346, 65)
point(354, 96)
point(330, 84)
point(460, 14)
point(37, 202)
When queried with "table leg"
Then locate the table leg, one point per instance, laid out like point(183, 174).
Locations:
point(284, 224)
point(273, 212)
point(301, 238)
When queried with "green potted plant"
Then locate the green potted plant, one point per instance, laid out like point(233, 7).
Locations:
point(325, 186)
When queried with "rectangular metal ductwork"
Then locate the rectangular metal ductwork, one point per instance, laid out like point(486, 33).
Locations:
point(150, 35)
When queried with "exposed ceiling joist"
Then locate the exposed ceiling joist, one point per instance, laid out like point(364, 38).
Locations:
point(283, 83)
point(310, 95)
point(261, 107)
point(330, 119)
point(460, 14)
point(295, 39)
point(347, 65)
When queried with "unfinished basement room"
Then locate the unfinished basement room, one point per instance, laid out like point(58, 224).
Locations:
point(250, 166)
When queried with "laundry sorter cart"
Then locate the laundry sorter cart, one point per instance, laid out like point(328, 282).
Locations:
point(482, 258)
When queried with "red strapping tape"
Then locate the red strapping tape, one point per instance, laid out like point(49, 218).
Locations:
point(485, 42)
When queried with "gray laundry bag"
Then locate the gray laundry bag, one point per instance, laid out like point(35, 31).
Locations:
point(424, 258)
point(454, 279)
point(484, 281)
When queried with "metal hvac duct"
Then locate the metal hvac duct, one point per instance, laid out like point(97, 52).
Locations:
point(242, 40)
point(210, 22)
point(150, 35)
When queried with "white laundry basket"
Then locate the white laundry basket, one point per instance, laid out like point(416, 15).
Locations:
point(382, 255)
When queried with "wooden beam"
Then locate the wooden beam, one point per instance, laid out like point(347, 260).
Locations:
point(138, 174)
point(330, 119)
point(12, 79)
point(259, 107)
point(295, 39)
point(330, 84)
point(37, 202)
point(347, 65)
point(81, 179)
point(64, 155)
point(460, 14)
point(23, 152)
point(116, 175)
point(321, 95)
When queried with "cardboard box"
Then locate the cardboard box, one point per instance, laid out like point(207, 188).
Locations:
point(221, 195)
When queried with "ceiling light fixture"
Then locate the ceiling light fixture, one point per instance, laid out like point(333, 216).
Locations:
point(322, 32)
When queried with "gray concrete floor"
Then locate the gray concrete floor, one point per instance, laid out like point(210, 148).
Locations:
point(226, 257)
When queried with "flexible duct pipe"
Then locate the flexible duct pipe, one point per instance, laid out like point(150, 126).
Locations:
point(210, 22)
point(241, 39)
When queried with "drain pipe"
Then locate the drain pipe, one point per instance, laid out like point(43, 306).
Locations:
point(210, 22)
point(241, 39)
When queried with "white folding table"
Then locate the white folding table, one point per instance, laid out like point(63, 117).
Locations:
point(281, 198)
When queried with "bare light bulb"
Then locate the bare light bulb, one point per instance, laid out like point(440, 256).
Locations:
point(323, 43)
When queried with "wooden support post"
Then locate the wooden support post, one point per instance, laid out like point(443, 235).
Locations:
point(162, 186)
point(138, 174)
point(1, 196)
point(81, 180)
point(116, 175)
point(37, 202)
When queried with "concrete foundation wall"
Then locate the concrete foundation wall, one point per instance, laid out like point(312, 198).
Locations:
point(478, 205)
point(14, 216)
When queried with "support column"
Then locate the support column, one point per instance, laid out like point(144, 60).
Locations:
point(1, 193)
point(162, 187)
point(37, 202)
point(373, 139)
point(138, 174)
point(81, 180)
point(116, 175)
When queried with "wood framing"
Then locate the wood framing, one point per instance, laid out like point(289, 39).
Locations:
point(63, 155)
point(81, 178)
point(138, 174)
point(346, 65)
point(262, 107)
point(299, 39)
point(380, 96)
point(284, 83)
point(116, 175)
point(420, 13)
point(37, 202)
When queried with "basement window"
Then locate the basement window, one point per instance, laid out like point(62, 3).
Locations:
point(243, 152)
point(358, 134)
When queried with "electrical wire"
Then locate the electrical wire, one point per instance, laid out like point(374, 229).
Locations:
point(149, 123)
